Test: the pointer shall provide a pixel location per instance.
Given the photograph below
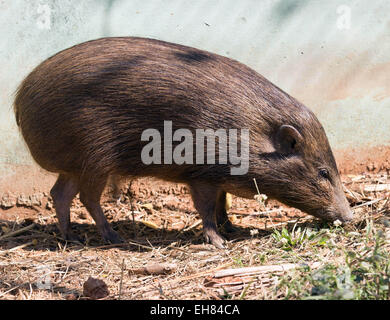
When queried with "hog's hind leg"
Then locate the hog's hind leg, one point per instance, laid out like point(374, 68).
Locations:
point(90, 194)
point(63, 192)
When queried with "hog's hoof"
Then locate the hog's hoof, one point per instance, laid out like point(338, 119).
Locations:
point(215, 239)
point(112, 237)
point(228, 227)
point(71, 237)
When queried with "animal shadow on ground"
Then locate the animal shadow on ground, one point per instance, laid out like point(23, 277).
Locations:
point(136, 236)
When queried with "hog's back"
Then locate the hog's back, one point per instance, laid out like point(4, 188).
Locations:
point(86, 107)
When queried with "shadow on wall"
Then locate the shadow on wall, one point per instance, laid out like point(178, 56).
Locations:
point(284, 10)
point(106, 22)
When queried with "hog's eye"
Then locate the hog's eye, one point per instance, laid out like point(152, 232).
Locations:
point(324, 173)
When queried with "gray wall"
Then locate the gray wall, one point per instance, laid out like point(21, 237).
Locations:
point(332, 55)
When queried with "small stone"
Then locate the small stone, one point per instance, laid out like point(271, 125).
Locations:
point(337, 223)
point(36, 199)
point(7, 201)
point(23, 200)
point(71, 296)
point(95, 289)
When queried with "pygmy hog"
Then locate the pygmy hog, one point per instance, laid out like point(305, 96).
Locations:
point(84, 113)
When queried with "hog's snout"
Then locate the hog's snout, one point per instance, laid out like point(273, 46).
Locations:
point(345, 217)
point(333, 215)
point(345, 213)
point(341, 211)
point(340, 208)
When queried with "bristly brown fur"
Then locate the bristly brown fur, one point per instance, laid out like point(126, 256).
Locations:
point(82, 112)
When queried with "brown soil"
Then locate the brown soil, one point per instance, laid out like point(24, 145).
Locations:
point(360, 160)
point(166, 229)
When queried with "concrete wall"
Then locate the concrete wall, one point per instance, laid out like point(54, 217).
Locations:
point(332, 55)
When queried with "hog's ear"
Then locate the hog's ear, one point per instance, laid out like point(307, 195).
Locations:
point(288, 139)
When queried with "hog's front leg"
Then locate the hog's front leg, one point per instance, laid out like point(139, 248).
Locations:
point(205, 196)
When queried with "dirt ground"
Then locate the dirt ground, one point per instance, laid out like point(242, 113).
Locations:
point(164, 256)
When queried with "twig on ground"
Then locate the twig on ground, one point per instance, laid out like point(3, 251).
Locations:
point(16, 232)
point(260, 213)
point(376, 187)
point(368, 203)
point(261, 269)
point(121, 282)
point(19, 247)
point(194, 225)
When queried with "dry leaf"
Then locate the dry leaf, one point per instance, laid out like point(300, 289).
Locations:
point(149, 224)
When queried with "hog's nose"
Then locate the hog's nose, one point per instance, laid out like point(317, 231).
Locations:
point(347, 216)
point(345, 213)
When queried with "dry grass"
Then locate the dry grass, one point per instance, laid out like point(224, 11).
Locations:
point(36, 264)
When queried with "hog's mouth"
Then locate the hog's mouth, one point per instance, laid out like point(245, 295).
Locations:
point(330, 215)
